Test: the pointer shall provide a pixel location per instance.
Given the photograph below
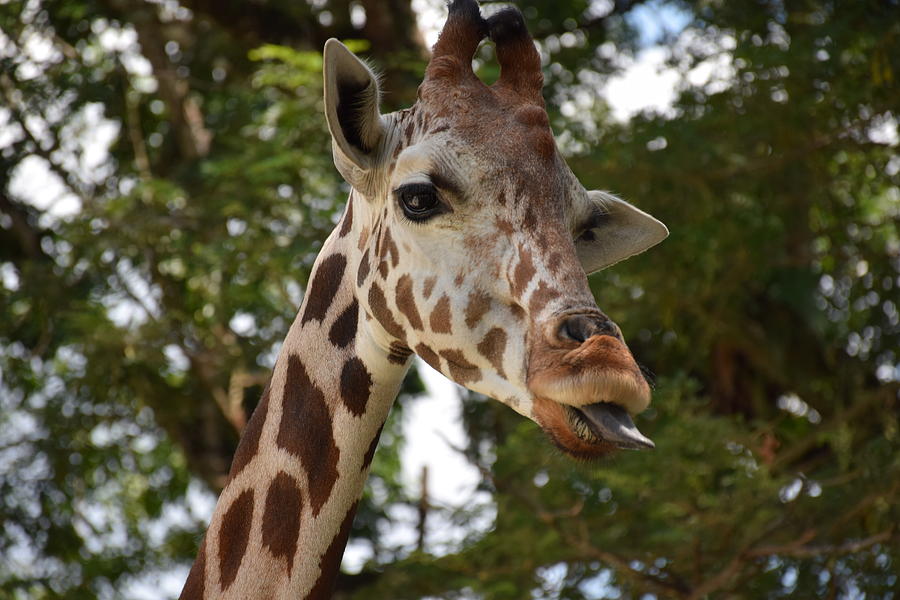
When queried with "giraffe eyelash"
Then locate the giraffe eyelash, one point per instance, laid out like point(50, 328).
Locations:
point(420, 202)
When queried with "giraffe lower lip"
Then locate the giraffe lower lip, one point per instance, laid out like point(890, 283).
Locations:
point(612, 423)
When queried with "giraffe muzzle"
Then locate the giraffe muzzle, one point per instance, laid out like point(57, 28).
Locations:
point(599, 369)
point(587, 386)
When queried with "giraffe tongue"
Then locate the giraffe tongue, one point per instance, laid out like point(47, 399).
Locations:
point(611, 423)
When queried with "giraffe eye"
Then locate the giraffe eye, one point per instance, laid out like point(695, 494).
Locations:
point(419, 201)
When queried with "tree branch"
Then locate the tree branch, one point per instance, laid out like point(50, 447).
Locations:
point(799, 549)
point(23, 227)
point(676, 587)
point(8, 85)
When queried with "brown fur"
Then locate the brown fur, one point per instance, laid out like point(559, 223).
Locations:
point(195, 586)
point(370, 453)
point(523, 273)
point(492, 347)
point(461, 370)
point(541, 296)
point(520, 63)
point(383, 314)
point(429, 356)
point(479, 303)
point(249, 444)
point(356, 382)
point(363, 270)
point(233, 537)
point(330, 563)
point(406, 302)
point(343, 330)
point(306, 431)
point(323, 287)
point(389, 248)
point(347, 221)
point(428, 287)
point(441, 320)
point(398, 353)
point(281, 518)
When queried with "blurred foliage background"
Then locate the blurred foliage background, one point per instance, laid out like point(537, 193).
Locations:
point(166, 181)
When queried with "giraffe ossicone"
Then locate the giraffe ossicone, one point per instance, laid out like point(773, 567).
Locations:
point(466, 241)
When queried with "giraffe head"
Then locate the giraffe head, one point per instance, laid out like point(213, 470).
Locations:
point(472, 238)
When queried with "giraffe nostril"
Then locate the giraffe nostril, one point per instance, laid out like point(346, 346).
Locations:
point(581, 327)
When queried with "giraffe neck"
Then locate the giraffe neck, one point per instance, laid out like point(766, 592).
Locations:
point(281, 523)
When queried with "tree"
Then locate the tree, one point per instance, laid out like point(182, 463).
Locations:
point(137, 330)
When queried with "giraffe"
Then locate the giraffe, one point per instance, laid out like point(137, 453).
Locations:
point(466, 240)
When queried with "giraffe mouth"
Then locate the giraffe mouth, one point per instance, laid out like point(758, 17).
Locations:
point(605, 422)
point(589, 431)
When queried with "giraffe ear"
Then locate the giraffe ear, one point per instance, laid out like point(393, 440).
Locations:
point(621, 232)
point(352, 97)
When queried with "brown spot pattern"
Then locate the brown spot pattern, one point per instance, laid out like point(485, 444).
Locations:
point(461, 370)
point(504, 226)
point(398, 353)
point(406, 302)
point(390, 248)
point(370, 453)
point(281, 518)
point(356, 383)
point(306, 431)
point(523, 273)
point(492, 347)
point(363, 271)
point(377, 232)
point(540, 297)
point(440, 317)
point(530, 220)
point(429, 356)
point(323, 287)
point(330, 562)
point(343, 330)
point(233, 537)
point(363, 239)
point(380, 310)
point(479, 303)
point(195, 586)
point(249, 444)
point(347, 221)
point(517, 312)
point(554, 261)
point(428, 287)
